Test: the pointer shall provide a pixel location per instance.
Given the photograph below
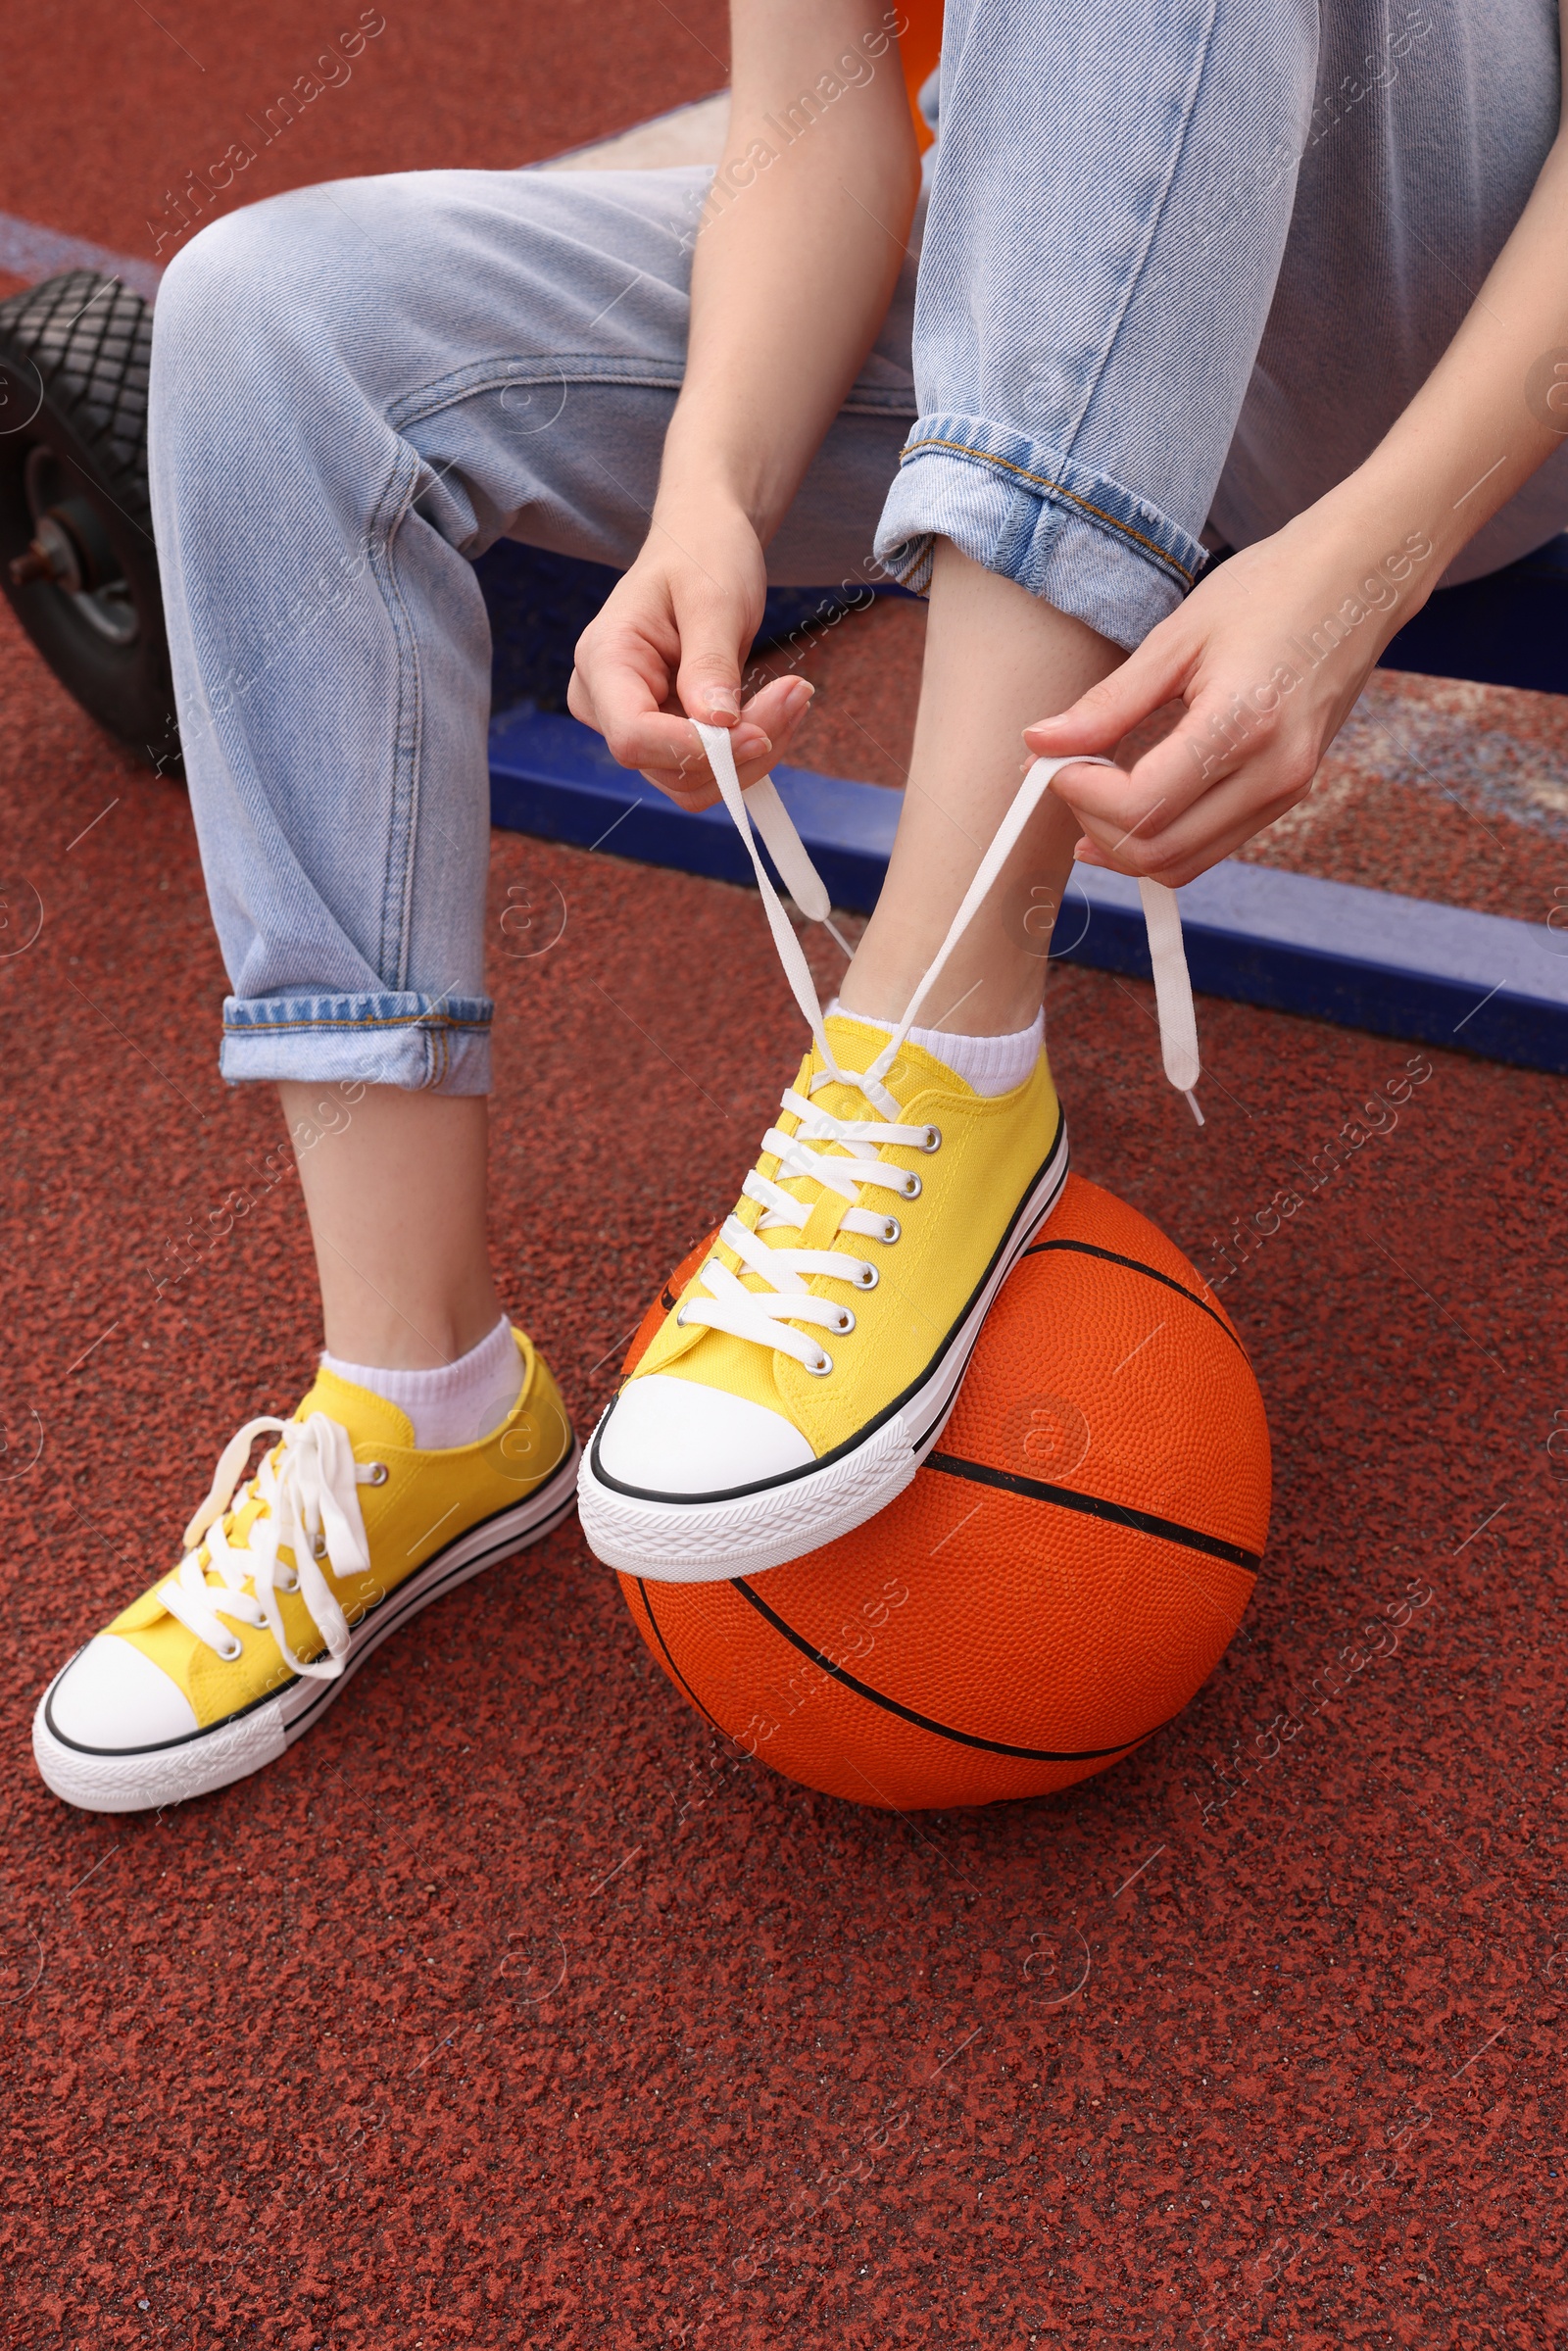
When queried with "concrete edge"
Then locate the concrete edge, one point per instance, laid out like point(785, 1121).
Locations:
point(31, 252)
point(693, 133)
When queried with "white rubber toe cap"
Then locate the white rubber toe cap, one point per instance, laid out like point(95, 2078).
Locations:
point(112, 1697)
point(669, 1436)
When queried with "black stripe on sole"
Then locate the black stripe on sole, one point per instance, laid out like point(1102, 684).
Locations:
point(924, 1379)
point(1110, 1256)
point(923, 1722)
point(417, 1597)
point(385, 1615)
point(1141, 1522)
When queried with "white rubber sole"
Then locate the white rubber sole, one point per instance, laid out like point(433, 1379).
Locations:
point(141, 1779)
point(707, 1541)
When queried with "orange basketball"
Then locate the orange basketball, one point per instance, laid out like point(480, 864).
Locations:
point(1062, 1574)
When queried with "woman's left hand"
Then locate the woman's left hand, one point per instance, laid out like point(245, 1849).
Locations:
point(1268, 654)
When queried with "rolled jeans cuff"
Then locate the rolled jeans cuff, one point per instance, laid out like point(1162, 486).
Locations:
point(1075, 537)
point(438, 1045)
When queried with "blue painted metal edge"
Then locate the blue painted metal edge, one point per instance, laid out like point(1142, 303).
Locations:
point(1363, 959)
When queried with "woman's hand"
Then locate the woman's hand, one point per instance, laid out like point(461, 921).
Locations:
point(669, 646)
point(1270, 651)
point(1268, 654)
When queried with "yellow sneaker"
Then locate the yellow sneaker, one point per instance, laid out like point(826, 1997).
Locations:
point(808, 1366)
point(343, 1534)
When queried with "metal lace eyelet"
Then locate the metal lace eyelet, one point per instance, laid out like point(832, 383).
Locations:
point(865, 1277)
point(235, 1649)
point(379, 1474)
point(912, 1187)
point(821, 1368)
point(931, 1141)
point(292, 1583)
point(846, 1320)
point(317, 1550)
point(891, 1231)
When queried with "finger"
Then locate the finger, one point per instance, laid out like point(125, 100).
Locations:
point(1222, 731)
point(691, 790)
point(778, 707)
point(692, 778)
point(692, 787)
point(614, 694)
point(1183, 869)
point(1226, 817)
point(1081, 781)
point(768, 724)
point(1114, 806)
point(1216, 736)
point(663, 741)
point(1152, 675)
point(715, 635)
point(619, 686)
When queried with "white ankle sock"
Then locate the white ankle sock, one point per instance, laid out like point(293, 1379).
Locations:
point(990, 1065)
point(457, 1404)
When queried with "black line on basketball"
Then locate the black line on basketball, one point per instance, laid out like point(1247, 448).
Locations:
point(1142, 1522)
point(658, 1632)
point(923, 1722)
point(1087, 1249)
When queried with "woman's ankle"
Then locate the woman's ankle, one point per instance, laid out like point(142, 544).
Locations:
point(989, 1064)
point(457, 1402)
point(395, 1192)
point(993, 988)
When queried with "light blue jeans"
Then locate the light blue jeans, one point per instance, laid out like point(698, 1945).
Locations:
point(1178, 264)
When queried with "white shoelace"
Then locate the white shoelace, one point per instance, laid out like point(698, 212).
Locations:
point(855, 1165)
point(308, 1486)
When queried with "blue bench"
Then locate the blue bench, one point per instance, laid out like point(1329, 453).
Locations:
point(1398, 966)
point(1509, 629)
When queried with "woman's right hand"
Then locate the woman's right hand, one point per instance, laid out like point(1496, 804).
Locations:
point(669, 646)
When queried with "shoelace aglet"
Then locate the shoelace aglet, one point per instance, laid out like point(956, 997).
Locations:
point(1192, 1104)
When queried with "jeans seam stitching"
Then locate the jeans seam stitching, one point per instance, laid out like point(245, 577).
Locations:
point(1157, 215)
point(431, 399)
point(395, 915)
point(984, 457)
point(426, 1022)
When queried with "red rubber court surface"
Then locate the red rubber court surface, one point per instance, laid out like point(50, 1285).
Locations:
point(512, 2008)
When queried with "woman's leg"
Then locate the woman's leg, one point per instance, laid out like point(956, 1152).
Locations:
point(395, 1187)
point(1430, 123)
point(1103, 236)
point(1082, 348)
point(995, 657)
point(1111, 200)
point(356, 390)
point(1237, 249)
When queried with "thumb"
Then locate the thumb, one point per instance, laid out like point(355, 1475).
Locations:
point(1098, 720)
point(708, 680)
